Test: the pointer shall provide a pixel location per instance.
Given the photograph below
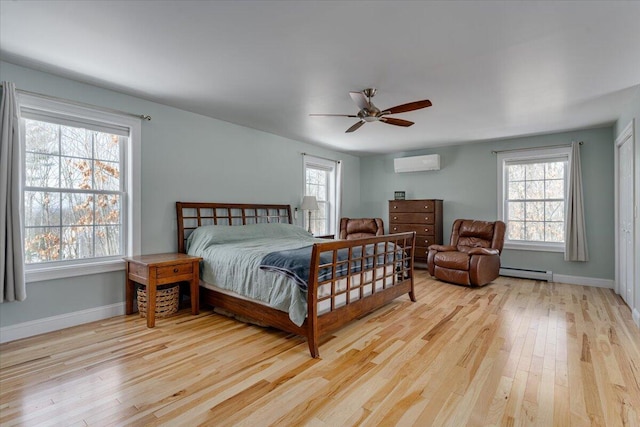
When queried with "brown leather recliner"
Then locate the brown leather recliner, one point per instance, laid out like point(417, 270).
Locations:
point(473, 257)
point(358, 228)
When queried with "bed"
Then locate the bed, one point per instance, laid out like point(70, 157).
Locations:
point(340, 281)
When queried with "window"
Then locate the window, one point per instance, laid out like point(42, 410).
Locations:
point(79, 188)
point(322, 180)
point(532, 191)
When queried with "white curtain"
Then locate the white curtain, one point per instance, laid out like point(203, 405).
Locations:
point(575, 248)
point(12, 259)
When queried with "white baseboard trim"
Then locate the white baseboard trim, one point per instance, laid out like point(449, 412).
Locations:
point(54, 323)
point(586, 281)
point(636, 317)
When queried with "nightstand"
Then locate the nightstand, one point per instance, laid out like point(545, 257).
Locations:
point(161, 269)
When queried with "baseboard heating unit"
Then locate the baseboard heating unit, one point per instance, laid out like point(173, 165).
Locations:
point(524, 273)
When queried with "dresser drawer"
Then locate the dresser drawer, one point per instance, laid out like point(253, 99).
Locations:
point(418, 228)
point(421, 253)
point(411, 206)
point(412, 218)
point(425, 241)
point(174, 270)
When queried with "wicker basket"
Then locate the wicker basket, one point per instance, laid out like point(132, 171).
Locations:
point(167, 300)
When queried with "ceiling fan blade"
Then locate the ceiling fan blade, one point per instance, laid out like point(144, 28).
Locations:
point(360, 100)
point(408, 107)
point(334, 115)
point(396, 122)
point(355, 127)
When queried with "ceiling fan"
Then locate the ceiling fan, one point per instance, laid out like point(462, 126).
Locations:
point(370, 113)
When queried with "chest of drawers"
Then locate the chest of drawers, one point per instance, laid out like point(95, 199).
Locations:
point(423, 216)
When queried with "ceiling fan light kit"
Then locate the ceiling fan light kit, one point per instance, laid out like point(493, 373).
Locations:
point(370, 113)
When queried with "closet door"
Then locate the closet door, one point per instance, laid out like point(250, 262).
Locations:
point(625, 219)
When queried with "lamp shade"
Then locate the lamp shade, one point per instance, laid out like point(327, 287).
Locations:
point(309, 203)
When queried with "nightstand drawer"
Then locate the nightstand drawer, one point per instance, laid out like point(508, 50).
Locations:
point(174, 270)
point(138, 270)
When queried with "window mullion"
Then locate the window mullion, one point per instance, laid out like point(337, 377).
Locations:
point(60, 225)
point(124, 201)
point(93, 186)
point(72, 190)
point(534, 200)
point(59, 130)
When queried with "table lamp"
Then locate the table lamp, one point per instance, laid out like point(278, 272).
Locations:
point(311, 204)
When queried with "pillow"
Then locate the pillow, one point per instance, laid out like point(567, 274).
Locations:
point(219, 234)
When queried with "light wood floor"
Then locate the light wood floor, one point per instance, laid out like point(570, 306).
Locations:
point(516, 352)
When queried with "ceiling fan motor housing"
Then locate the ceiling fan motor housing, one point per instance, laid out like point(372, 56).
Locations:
point(370, 114)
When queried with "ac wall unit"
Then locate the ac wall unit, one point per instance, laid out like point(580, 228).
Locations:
point(429, 162)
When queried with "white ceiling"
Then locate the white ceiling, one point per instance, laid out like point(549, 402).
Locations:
point(491, 69)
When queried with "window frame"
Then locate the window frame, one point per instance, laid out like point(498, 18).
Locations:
point(131, 199)
point(523, 156)
point(332, 205)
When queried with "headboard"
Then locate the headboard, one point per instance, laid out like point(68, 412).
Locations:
point(192, 215)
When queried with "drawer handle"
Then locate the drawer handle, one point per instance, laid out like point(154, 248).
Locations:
point(426, 229)
point(175, 270)
point(395, 217)
point(395, 228)
point(395, 207)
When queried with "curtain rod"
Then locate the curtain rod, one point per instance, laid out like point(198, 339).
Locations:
point(82, 104)
point(319, 157)
point(534, 148)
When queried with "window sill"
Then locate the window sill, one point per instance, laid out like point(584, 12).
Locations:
point(40, 274)
point(534, 247)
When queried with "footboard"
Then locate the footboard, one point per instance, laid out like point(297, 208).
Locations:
point(350, 278)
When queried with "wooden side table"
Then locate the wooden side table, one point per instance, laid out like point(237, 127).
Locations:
point(161, 269)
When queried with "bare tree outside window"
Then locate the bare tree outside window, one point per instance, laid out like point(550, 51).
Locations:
point(535, 203)
point(73, 193)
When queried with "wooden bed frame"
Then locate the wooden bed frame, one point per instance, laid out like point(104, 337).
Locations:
point(396, 275)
